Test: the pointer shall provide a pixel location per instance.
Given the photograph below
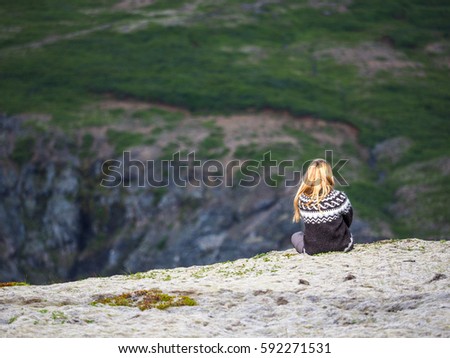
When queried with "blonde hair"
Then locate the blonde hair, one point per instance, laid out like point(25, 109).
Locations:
point(317, 182)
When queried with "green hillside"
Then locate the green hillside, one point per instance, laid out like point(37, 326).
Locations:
point(380, 66)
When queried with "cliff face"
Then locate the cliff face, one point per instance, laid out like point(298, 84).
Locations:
point(59, 223)
point(385, 289)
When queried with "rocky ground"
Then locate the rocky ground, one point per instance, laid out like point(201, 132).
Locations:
point(386, 289)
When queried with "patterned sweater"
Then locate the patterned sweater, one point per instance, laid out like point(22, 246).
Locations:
point(327, 229)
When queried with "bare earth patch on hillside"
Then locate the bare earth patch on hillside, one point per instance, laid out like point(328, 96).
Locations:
point(268, 127)
point(386, 289)
point(259, 128)
point(54, 39)
point(440, 51)
point(338, 6)
point(371, 58)
point(213, 13)
point(132, 4)
point(130, 104)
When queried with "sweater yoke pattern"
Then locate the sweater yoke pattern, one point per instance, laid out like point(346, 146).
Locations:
point(330, 208)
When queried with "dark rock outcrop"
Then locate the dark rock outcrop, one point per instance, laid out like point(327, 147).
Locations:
point(59, 223)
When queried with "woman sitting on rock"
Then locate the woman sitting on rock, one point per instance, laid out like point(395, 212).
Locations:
point(326, 212)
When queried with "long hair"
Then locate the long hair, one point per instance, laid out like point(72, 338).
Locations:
point(317, 182)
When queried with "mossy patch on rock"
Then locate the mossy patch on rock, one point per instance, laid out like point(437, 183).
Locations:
point(146, 299)
point(11, 284)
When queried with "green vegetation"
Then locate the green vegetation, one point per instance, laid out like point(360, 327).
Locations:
point(86, 145)
point(162, 243)
point(68, 120)
point(189, 66)
point(12, 319)
point(212, 146)
point(307, 145)
point(368, 196)
point(140, 275)
point(158, 115)
point(12, 284)
point(261, 255)
point(147, 299)
point(23, 150)
point(123, 140)
point(59, 316)
point(158, 194)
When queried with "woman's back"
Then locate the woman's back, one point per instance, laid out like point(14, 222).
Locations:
point(326, 212)
point(327, 228)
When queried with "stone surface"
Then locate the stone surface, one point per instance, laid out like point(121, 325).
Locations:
point(398, 289)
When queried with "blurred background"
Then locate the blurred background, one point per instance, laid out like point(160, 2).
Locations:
point(82, 81)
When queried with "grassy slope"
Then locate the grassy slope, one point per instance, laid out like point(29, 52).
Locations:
point(206, 68)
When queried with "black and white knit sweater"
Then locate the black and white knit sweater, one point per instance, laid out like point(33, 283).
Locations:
point(327, 229)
